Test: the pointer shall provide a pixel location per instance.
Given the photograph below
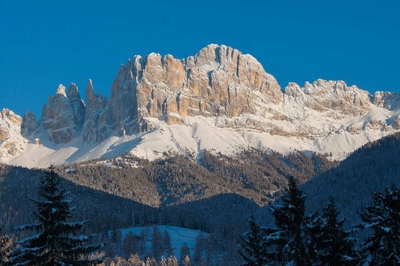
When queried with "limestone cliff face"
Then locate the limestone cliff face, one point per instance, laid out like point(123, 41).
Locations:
point(11, 141)
point(333, 98)
point(219, 80)
point(63, 116)
point(94, 106)
point(30, 124)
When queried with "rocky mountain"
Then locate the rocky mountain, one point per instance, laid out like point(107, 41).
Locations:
point(64, 115)
point(218, 99)
point(11, 141)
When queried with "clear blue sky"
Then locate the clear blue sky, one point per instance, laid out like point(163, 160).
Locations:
point(45, 43)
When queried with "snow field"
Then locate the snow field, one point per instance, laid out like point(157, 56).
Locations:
point(179, 235)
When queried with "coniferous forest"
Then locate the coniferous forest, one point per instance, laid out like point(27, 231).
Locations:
point(257, 208)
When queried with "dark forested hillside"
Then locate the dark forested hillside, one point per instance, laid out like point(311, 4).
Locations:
point(252, 174)
point(216, 195)
point(369, 169)
point(104, 211)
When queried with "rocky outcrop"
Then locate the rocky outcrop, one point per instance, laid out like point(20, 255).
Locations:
point(219, 80)
point(387, 100)
point(30, 125)
point(334, 98)
point(396, 122)
point(77, 105)
point(94, 106)
point(11, 141)
point(63, 116)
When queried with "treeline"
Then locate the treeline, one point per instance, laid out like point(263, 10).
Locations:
point(320, 239)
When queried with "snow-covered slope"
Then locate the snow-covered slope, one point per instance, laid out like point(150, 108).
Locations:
point(219, 99)
point(199, 133)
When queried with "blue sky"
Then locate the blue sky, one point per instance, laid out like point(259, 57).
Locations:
point(45, 43)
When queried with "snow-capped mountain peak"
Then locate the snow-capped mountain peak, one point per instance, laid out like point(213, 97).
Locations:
point(218, 99)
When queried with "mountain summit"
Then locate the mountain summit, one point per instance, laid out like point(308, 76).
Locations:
point(218, 99)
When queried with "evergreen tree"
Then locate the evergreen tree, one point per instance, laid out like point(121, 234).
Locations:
point(167, 243)
point(198, 249)
point(330, 244)
point(186, 261)
point(172, 261)
point(134, 260)
point(185, 252)
point(157, 243)
point(383, 217)
point(6, 245)
point(56, 241)
point(252, 251)
point(130, 243)
point(142, 240)
point(290, 219)
point(163, 261)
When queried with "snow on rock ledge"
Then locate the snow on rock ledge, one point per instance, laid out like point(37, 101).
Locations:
point(11, 141)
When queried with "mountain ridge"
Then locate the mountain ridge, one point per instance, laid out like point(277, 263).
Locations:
point(162, 104)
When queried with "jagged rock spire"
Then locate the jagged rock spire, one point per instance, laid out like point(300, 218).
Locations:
point(63, 116)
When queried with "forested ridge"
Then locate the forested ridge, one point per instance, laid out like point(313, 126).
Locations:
point(216, 194)
point(176, 180)
point(369, 169)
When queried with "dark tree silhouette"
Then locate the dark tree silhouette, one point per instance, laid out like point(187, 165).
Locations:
point(56, 241)
point(252, 248)
point(329, 243)
point(383, 217)
point(289, 215)
point(6, 246)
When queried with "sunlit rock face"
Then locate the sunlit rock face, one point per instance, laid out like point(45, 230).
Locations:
point(219, 80)
point(11, 141)
point(332, 98)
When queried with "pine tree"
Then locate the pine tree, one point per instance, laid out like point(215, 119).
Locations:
point(163, 261)
point(157, 243)
point(134, 260)
point(198, 249)
point(186, 261)
point(172, 261)
point(167, 243)
point(330, 244)
point(383, 217)
point(56, 241)
point(130, 243)
point(6, 246)
point(252, 251)
point(290, 219)
point(185, 252)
